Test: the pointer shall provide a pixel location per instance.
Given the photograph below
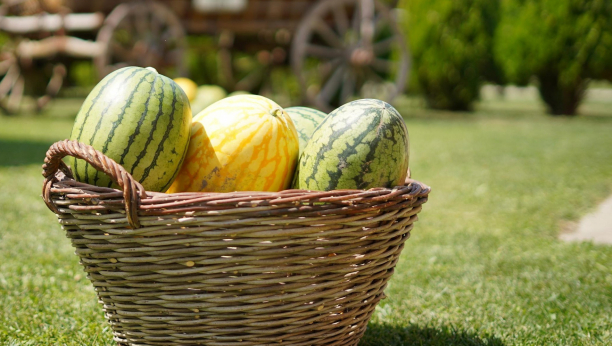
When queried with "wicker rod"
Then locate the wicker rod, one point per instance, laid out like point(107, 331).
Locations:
point(132, 190)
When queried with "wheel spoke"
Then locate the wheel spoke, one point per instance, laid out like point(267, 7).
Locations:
point(151, 58)
point(383, 46)
point(348, 86)
point(156, 25)
point(327, 34)
point(250, 81)
point(380, 21)
point(331, 85)
point(366, 27)
point(9, 80)
point(169, 38)
point(323, 52)
point(356, 21)
point(381, 65)
point(341, 19)
point(56, 81)
point(140, 22)
point(225, 63)
point(131, 27)
point(121, 52)
point(15, 98)
point(361, 78)
point(326, 68)
point(5, 65)
point(174, 55)
point(376, 75)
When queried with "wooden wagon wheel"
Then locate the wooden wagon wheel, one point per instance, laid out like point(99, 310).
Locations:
point(142, 34)
point(11, 80)
point(241, 70)
point(345, 49)
point(11, 83)
point(16, 59)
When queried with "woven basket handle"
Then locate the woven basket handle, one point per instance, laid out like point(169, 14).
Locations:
point(132, 189)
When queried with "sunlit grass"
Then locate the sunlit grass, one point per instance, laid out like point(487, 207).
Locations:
point(483, 265)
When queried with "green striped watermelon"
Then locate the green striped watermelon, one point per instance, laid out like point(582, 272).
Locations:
point(140, 119)
point(306, 121)
point(361, 145)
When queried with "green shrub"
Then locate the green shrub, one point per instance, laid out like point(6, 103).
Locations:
point(202, 61)
point(451, 45)
point(82, 74)
point(563, 43)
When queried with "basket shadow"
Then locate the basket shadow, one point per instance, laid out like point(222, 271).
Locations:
point(390, 335)
point(20, 153)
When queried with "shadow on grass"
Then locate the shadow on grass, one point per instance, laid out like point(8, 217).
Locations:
point(20, 153)
point(389, 335)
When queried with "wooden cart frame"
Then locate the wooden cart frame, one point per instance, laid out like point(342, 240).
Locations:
point(337, 49)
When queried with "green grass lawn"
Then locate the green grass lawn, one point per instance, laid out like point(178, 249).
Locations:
point(483, 265)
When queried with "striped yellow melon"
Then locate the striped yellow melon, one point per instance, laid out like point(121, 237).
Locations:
point(240, 143)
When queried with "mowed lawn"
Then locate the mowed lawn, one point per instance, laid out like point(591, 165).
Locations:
point(483, 265)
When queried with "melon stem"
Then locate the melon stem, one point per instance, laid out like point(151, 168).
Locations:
point(275, 112)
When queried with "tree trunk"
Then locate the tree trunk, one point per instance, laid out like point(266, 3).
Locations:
point(561, 99)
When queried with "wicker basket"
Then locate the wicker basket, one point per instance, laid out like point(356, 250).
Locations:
point(245, 268)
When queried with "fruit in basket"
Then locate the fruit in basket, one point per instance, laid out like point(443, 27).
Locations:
point(361, 145)
point(140, 119)
point(306, 121)
point(241, 143)
point(238, 92)
point(206, 96)
point(189, 87)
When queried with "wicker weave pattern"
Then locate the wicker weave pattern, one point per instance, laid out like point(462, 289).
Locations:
point(246, 268)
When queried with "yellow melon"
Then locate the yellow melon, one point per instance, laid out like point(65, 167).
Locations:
point(189, 87)
point(206, 95)
point(240, 143)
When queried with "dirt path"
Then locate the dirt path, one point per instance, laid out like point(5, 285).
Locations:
point(595, 227)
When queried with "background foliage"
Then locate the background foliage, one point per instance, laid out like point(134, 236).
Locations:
point(451, 44)
point(558, 45)
point(563, 43)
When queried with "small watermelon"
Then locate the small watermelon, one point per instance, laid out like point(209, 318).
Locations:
point(138, 118)
point(361, 145)
point(306, 121)
point(241, 143)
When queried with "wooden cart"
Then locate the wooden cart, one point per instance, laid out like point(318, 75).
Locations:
point(338, 49)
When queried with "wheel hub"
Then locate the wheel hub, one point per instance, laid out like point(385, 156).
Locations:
point(361, 57)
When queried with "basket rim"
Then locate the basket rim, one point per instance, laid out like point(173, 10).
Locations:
point(331, 195)
point(136, 198)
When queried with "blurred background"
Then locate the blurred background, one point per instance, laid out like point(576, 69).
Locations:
point(509, 109)
point(445, 55)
